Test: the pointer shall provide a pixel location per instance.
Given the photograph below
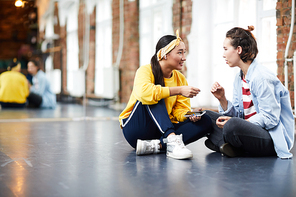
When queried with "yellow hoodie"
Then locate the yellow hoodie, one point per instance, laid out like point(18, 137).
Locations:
point(13, 87)
point(148, 93)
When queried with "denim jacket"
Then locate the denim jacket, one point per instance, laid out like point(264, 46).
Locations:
point(41, 86)
point(272, 103)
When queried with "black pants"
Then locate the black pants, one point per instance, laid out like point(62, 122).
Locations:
point(251, 138)
point(34, 100)
point(12, 105)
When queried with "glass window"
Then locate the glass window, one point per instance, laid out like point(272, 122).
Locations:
point(145, 3)
point(223, 11)
point(266, 36)
point(267, 52)
point(103, 65)
point(269, 4)
point(207, 36)
point(247, 14)
point(72, 45)
point(155, 21)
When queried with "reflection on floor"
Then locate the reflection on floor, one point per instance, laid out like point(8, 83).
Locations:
point(63, 112)
point(53, 156)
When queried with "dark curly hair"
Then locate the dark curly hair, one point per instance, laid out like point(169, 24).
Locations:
point(245, 39)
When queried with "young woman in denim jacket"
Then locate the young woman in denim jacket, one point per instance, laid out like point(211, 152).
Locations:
point(268, 129)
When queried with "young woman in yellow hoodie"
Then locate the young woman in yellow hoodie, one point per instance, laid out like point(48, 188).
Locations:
point(153, 119)
point(14, 88)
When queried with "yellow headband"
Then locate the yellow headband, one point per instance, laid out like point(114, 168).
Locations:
point(165, 50)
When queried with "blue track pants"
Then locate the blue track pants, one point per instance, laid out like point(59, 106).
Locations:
point(147, 122)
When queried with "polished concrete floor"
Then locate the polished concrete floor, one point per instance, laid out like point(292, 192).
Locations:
point(71, 151)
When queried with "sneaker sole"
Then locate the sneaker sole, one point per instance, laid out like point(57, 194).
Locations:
point(188, 156)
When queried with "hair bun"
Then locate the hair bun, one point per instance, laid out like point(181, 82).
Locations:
point(251, 28)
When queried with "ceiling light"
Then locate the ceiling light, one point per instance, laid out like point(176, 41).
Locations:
point(19, 3)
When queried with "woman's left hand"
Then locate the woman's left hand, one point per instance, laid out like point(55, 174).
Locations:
point(221, 121)
point(194, 118)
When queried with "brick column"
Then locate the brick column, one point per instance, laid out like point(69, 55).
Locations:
point(63, 41)
point(283, 17)
point(57, 43)
point(182, 19)
point(81, 30)
point(130, 56)
point(90, 72)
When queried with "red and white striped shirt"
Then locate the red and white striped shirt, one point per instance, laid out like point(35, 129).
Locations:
point(249, 109)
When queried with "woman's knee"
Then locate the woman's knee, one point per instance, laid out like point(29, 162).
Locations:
point(207, 119)
point(131, 139)
point(213, 115)
point(206, 123)
point(231, 124)
point(231, 128)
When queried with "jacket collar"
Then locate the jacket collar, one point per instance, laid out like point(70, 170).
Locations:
point(250, 71)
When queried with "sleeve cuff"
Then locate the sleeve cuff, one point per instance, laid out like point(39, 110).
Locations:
point(165, 92)
point(229, 105)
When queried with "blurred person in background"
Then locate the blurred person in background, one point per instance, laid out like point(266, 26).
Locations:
point(40, 95)
point(14, 88)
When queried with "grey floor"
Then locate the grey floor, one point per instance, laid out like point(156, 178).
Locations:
point(71, 151)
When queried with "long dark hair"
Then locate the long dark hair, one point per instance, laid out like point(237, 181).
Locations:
point(245, 39)
point(156, 69)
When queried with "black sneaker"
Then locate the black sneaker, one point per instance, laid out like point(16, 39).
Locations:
point(230, 151)
point(209, 144)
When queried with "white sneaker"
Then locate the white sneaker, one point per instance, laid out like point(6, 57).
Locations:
point(176, 148)
point(145, 147)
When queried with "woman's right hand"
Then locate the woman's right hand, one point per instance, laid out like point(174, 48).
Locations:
point(218, 91)
point(189, 91)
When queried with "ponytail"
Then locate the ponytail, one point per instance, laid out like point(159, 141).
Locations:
point(157, 72)
point(156, 69)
